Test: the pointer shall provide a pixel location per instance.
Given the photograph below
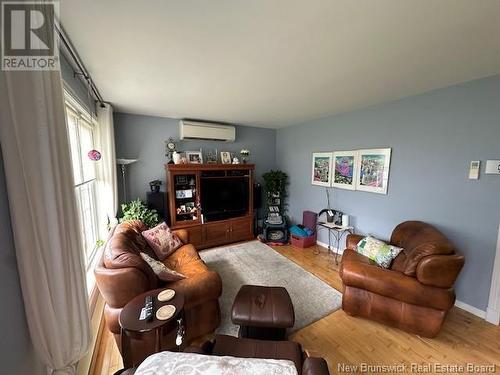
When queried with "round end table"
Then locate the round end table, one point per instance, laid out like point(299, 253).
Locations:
point(130, 323)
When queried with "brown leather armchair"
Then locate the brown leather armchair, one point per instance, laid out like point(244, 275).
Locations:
point(122, 274)
point(416, 292)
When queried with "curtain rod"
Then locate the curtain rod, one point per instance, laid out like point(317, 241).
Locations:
point(74, 55)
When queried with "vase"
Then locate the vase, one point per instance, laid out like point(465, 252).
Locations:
point(176, 157)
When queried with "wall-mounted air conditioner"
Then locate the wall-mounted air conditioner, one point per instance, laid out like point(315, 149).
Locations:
point(206, 131)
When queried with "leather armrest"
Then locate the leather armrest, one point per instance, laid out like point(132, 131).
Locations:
point(194, 349)
point(315, 366)
point(206, 348)
point(396, 285)
point(440, 270)
point(197, 289)
point(183, 235)
point(352, 241)
point(119, 286)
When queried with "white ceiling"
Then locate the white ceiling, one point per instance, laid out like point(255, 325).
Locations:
point(275, 63)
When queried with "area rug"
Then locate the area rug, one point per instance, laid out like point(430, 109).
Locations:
point(257, 264)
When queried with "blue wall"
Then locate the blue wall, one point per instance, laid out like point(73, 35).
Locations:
point(16, 350)
point(433, 137)
point(143, 137)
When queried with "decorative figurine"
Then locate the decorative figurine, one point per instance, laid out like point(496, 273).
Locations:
point(94, 155)
point(176, 157)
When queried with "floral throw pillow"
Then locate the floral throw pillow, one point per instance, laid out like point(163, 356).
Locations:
point(162, 271)
point(162, 240)
point(381, 253)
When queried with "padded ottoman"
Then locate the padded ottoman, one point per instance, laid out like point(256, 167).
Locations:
point(263, 312)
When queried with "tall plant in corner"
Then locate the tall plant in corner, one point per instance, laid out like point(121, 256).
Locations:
point(137, 210)
point(275, 185)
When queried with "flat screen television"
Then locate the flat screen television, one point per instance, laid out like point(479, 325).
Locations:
point(224, 198)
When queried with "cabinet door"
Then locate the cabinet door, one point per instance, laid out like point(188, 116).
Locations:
point(216, 233)
point(241, 229)
point(195, 235)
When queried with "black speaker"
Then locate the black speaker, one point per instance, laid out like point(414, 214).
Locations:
point(158, 202)
point(257, 196)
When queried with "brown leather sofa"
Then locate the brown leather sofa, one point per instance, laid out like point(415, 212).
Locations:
point(251, 348)
point(122, 274)
point(416, 293)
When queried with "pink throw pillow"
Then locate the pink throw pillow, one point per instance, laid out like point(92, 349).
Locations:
point(162, 240)
point(162, 271)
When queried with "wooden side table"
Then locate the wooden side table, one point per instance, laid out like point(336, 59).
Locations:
point(131, 325)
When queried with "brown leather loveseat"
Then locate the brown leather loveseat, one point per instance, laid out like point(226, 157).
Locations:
point(416, 293)
point(122, 274)
point(223, 345)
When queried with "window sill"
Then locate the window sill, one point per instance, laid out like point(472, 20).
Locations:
point(91, 284)
point(96, 258)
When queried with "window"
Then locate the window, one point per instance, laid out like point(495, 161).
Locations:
point(81, 138)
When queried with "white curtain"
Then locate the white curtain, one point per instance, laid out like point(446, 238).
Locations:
point(44, 218)
point(107, 183)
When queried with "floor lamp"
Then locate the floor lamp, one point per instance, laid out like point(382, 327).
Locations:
point(123, 166)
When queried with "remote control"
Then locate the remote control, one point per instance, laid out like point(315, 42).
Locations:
point(149, 308)
point(181, 331)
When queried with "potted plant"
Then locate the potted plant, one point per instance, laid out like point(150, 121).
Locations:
point(244, 155)
point(276, 182)
point(137, 210)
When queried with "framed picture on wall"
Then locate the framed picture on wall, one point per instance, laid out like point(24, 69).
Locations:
point(321, 169)
point(373, 167)
point(345, 169)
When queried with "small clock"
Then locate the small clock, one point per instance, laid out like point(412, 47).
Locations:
point(170, 145)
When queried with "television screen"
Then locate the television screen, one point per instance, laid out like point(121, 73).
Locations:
point(223, 198)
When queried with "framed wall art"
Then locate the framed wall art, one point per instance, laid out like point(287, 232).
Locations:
point(345, 169)
point(321, 169)
point(373, 167)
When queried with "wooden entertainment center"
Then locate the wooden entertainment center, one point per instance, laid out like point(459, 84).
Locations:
point(195, 209)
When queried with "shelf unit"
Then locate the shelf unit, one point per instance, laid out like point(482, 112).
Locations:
point(184, 190)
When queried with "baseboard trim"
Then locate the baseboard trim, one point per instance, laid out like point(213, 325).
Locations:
point(471, 309)
point(332, 249)
point(492, 316)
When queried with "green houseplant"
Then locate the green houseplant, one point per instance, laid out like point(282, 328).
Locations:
point(275, 185)
point(137, 210)
point(276, 182)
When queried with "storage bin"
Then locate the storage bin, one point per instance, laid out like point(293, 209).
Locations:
point(303, 242)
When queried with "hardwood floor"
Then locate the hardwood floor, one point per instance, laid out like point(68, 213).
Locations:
point(344, 340)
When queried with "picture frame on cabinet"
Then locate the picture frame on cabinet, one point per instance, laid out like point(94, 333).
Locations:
point(225, 157)
point(194, 157)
